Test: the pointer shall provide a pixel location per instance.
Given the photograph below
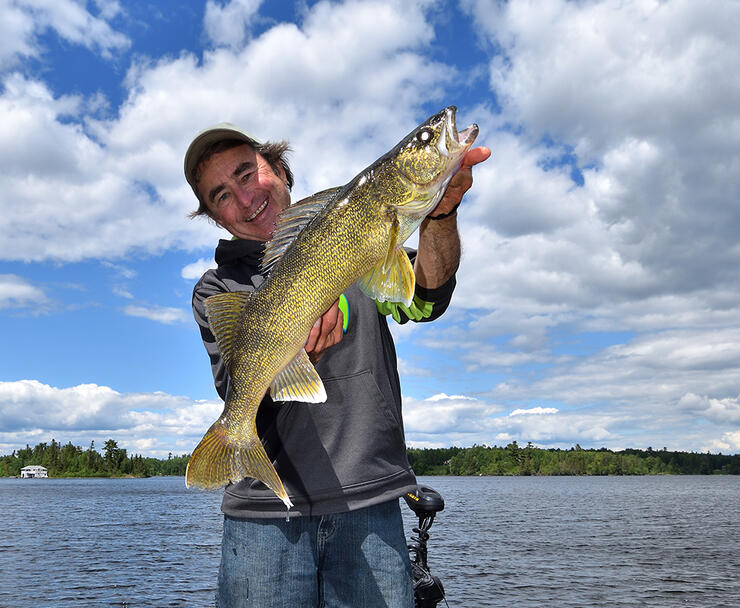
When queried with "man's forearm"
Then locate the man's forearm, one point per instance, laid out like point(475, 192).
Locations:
point(438, 255)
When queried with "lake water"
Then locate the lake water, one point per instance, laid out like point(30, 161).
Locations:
point(560, 542)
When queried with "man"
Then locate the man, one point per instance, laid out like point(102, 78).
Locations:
point(343, 462)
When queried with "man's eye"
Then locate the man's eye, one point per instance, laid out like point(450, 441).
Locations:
point(221, 198)
point(245, 176)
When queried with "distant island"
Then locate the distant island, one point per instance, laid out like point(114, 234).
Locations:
point(72, 461)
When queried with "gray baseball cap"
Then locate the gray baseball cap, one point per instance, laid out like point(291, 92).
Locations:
point(207, 137)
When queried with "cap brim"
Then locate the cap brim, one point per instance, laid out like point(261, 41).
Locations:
point(206, 138)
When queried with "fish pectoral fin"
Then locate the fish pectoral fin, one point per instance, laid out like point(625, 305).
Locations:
point(298, 381)
point(391, 281)
point(224, 311)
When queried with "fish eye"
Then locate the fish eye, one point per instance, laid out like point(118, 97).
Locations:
point(424, 135)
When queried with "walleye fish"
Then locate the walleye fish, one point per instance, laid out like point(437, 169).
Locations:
point(321, 246)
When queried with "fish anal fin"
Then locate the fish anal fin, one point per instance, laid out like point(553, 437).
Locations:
point(298, 381)
point(224, 311)
point(217, 460)
point(392, 280)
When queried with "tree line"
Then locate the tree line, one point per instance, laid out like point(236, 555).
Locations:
point(529, 460)
point(72, 461)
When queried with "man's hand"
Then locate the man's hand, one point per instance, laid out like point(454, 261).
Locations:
point(438, 255)
point(326, 332)
point(461, 181)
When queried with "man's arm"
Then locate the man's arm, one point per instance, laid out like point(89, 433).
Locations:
point(439, 242)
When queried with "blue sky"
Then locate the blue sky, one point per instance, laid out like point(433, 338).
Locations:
point(598, 296)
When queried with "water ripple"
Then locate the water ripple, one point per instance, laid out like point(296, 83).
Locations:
point(621, 542)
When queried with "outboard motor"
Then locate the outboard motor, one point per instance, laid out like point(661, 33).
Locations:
point(425, 502)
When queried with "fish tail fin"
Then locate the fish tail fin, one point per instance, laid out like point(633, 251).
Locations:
point(218, 459)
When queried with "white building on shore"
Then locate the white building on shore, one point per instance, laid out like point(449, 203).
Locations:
point(34, 470)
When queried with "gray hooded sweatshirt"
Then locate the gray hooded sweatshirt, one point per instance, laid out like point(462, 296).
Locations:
point(344, 454)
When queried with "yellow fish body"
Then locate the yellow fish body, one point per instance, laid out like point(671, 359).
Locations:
point(321, 246)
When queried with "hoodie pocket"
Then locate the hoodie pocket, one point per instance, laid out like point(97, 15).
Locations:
point(355, 437)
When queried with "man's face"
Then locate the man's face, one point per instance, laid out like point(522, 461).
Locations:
point(243, 193)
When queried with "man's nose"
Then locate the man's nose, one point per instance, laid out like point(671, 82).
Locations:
point(244, 196)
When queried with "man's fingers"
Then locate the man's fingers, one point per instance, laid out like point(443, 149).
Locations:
point(475, 156)
point(326, 331)
point(313, 336)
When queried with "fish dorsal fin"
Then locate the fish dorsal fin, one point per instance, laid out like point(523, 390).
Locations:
point(393, 279)
point(298, 381)
point(224, 311)
point(291, 223)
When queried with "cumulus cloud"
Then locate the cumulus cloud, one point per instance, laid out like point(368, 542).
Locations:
point(17, 292)
point(656, 370)
point(77, 203)
point(443, 420)
point(725, 410)
point(195, 270)
point(729, 442)
point(25, 20)
point(608, 205)
point(160, 314)
point(445, 416)
point(228, 25)
point(149, 423)
point(629, 94)
point(534, 411)
point(104, 188)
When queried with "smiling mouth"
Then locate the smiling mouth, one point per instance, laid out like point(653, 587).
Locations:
point(259, 210)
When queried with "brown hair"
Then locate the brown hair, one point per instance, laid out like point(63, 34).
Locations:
point(273, 152)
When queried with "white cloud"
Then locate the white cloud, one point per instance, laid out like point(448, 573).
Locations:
point(24, 20)
point(102, 188)
point(445, 414)
point(195, 270)
point(77, 204)
point(124, 271)
point(16, 32)
point(228, 24)
point(629, 95)
point(443, 420)
point(406, 369)
point(534, 411)
point(651, 371)
point(725, 410)
point(632, 92)
point(728, 443)
point(160, 314)
point(17, 292)
point(632, 95)
point(122, 292)
point(150, 423)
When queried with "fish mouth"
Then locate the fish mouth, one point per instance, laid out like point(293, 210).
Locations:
point(458, 139)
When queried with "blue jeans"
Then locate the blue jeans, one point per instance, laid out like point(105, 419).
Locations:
point(354, 560)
